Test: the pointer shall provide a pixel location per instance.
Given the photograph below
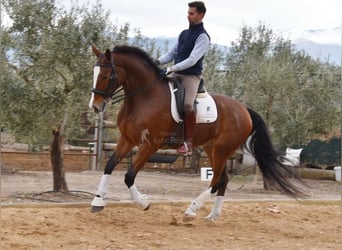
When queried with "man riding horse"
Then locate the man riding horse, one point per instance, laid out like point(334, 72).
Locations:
point(188, 54)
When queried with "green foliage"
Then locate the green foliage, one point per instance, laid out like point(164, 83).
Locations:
point(48, 62)
point(48, 65)
point(297, 96)
point(211, 71)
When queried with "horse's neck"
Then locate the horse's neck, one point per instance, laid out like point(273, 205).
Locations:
point(136, 78)
point(150, 95)
point(140, 80)
point(138, 84)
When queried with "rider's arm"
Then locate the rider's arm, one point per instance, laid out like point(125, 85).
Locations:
point(169, 56)
point(200, 48)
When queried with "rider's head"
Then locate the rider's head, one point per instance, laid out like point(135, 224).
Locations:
point(196, 12)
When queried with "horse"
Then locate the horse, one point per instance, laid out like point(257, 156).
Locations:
point(146, 107)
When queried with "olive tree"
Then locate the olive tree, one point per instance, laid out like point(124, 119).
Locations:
point(47, 51)
point(297, 95)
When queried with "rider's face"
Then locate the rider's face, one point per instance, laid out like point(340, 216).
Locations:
point(194, 17)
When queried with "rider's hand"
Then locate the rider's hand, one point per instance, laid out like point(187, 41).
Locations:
point(156, 62)
point(168, 71)
point(165, 72)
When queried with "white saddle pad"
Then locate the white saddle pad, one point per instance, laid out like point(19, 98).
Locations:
point(206, 111)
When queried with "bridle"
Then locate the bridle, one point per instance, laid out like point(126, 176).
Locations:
point(113, 81)
point(112, 90)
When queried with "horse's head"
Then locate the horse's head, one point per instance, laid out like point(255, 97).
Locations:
point(105, 80)
point(133, 70)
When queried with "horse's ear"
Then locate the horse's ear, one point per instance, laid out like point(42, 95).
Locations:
point(96, 51)
point(108, 55)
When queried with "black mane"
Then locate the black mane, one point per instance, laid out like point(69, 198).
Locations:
point(136, 51)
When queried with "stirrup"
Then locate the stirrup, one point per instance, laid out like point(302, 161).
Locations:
point(184, 148)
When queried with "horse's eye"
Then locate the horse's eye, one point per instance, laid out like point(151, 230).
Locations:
point(104, 77)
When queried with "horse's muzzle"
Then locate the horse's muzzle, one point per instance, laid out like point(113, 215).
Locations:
point(99, 107)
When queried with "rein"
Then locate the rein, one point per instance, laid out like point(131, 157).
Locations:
point(132, 93)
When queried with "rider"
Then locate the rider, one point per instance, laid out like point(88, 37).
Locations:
point(188, 54)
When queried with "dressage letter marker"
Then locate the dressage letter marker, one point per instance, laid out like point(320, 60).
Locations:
point(206, 174)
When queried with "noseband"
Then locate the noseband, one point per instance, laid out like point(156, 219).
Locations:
point(110, 91)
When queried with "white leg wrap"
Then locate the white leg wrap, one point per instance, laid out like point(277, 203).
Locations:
point(104, 184)
point(98, 202)
point(217, 208)
point(197, 203)
point(140, 199)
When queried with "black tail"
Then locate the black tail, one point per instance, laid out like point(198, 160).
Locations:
point(269, 160)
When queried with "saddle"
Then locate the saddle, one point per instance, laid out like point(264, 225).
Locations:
point(205, 106)
point(179, 93)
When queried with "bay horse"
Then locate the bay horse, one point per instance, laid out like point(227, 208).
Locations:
point(146, 107)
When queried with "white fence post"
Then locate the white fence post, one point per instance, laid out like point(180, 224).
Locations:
point(99, 141)
point(96, 144)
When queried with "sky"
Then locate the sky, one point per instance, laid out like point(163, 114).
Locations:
point(291, 19)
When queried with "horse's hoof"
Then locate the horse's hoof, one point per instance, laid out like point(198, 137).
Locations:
point(96, 209)
point(143, 202)
point(147, 208)
point(212, 217)
point(144, 205)
point(209, 219)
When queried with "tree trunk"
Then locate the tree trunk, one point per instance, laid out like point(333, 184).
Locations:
point(57, 162)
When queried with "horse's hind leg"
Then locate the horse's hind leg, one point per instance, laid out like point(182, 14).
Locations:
point(218, 184)
point(197, 203)
point(219, 199)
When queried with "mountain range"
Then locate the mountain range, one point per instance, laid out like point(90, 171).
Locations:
point(325, 52)
point(324, 44)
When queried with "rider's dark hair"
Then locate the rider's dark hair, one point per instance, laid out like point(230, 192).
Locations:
point(199, 5)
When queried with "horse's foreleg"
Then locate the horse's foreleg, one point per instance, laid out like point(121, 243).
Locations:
point(98, 202)
point(139, 160)
point(106, 177)
point(140, 199)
